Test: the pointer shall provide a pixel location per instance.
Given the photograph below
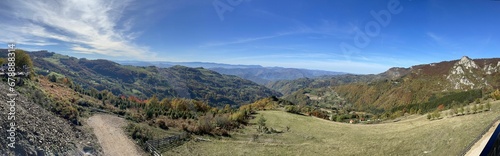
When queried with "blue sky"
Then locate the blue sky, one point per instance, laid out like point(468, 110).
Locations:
point(310, 34)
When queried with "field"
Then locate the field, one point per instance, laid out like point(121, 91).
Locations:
point(313, 136)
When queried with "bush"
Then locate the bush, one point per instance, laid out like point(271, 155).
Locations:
point(53, 78)
point(239, 117)
point(139, 133)
point(261, 122)
point(84, 103)
point(204, 125)
point(292, 109)
point(223, 121)
point(496, 95)
point(474, 109)
point(162, 125)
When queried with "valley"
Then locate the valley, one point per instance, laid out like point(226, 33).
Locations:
point(243, 77)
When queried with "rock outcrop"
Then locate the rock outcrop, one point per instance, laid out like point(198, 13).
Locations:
point(40, 132)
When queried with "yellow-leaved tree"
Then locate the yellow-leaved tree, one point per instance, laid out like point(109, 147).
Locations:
point(22, 59)
point(496, 95)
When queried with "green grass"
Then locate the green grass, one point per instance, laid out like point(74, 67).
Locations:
point(312, 136)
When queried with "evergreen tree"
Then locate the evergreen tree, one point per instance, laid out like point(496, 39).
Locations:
point(53, 78)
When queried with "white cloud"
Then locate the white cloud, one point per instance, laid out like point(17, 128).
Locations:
point(86, 26)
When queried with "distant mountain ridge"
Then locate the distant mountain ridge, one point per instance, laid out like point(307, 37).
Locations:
point(256, 73)
point(265, 75)
point(166, 64)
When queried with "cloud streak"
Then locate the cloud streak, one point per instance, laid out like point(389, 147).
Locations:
point(441, 41)
point(85, 26)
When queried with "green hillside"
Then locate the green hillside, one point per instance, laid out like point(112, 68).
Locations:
point(144, 82)
point(313, 136)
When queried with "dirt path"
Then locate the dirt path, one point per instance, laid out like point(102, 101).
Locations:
point(478, 147)
point(108, 129)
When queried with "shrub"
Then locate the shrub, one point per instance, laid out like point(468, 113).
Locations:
point(162, 125)
point(84, 103)
point(261, 122)
point(461, 110)
point(474, 109)
point(53, 78)
point(222, 121)
point(496, 95)
point(440, 107)
point(204, 125)
point(220, 132)
point(139, 133)
point(339, 118)
point(292, 109)
point(239, 116)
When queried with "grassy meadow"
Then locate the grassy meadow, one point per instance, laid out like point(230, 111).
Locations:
point(313, 136)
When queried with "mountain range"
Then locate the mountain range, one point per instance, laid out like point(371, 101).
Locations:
point(144, 82)
point(405, 87)
point(256, 73)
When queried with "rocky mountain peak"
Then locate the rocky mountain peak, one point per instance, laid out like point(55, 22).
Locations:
point(467, 63)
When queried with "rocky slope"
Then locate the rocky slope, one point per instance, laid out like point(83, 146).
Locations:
point(400, 87)
point(422, 82)
point(40, 132)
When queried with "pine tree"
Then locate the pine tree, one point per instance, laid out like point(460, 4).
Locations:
point(53, 78)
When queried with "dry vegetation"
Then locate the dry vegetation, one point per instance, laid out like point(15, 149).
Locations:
point(313, 136)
